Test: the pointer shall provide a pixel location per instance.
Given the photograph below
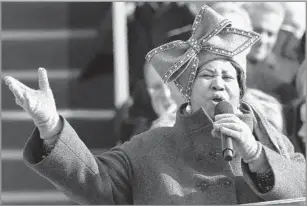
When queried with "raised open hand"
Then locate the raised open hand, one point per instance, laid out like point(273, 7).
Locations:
point(39, 104)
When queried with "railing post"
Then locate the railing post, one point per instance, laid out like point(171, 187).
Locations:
point(120, 52)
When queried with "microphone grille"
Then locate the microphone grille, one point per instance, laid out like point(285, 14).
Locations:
point(223, 107)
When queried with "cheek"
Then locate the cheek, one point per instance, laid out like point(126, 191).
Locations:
point(199, 90)
point(234, 93)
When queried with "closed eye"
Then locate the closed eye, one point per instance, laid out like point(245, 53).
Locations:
point(227, 77)
point(206, 75)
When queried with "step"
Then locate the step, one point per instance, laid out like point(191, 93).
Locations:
point(52, 15)
point(30, 35)
point(68, 91)
point(32, 15)
point(45, 197)
point(17, 176)
point(49, 53)
point(95, 132)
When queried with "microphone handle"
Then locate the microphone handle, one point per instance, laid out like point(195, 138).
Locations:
point(227, 147)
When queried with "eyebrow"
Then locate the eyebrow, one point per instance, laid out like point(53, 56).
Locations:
point(212, 71)
point(207, 69)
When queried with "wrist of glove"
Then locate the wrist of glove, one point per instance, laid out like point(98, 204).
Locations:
point(50, 128)
point(253, 153)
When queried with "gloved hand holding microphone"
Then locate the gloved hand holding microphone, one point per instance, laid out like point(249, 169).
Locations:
point(237, 137)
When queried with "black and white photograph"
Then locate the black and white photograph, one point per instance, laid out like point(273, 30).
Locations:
point(153, 103)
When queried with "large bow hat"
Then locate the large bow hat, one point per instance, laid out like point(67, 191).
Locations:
point(212, 38)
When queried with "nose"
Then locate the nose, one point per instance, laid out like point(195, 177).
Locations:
point(218, 84)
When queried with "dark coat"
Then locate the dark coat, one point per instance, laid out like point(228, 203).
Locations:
point(273, 76)
point(168, 165)
point(151, 28)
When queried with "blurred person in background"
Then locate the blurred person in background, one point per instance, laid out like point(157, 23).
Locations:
point(292, 30)
point(139, 115)
point(150, 24)
point(284, 78)
point(267, 71)
point(302, 134)
point(266, 18)
point(297, 118)
point(181, 164)
point(235, 13)
point(165, 98)
point(195, 6)
point(296, 109)
point(301, 124)
point(299, 80)
point(267, 104)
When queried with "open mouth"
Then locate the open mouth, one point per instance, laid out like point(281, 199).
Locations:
point(218, 99)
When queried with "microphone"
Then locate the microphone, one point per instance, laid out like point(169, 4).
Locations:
point(227, 147)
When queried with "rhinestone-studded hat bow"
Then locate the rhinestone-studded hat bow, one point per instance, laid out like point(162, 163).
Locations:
point(212, 38)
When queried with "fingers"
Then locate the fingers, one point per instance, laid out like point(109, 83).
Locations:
point(231, 133)
point(14, 82)
point(222, 116)
point(43, 79)
point(16, 87)
point(232, 119)
point(218, 129)
point(232, 126)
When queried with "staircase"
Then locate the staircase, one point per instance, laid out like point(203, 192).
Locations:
point(62, 37)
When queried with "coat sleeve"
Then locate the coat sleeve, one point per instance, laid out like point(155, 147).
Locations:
point(289, 174)
point(74, 170)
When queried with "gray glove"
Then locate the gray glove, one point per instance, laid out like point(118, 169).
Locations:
point(39, 104)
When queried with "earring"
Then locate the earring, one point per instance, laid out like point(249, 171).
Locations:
point(188, 109)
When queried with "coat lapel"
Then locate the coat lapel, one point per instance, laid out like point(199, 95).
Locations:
point(263, 130)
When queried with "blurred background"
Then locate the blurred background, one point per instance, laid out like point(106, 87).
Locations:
point(94, 54)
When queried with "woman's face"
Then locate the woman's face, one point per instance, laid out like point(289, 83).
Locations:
point(215, 81)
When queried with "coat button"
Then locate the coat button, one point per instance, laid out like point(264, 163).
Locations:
point(214, 155)
point(202, 185)
point(199, 158)
point(227, 183)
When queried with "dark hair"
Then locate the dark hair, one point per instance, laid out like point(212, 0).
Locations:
point(300, 50)
point(240, 78)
